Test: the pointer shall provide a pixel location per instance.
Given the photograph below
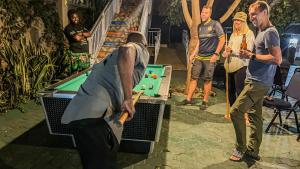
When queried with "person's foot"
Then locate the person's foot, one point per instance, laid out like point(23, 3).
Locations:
point(252, 155)
point(185, 102)
point(204, 105)
point(236, 156)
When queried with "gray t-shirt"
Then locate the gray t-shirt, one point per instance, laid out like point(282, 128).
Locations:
point(263, 72)
point(209, 34)
point(103, 88)
point(111, 81)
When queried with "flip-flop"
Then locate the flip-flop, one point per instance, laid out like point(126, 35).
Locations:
point(236, 156)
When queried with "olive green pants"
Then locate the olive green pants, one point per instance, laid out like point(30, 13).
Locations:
point(250, 100)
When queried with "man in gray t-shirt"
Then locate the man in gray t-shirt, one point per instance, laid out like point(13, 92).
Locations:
point(106, 93)
point(260, 75)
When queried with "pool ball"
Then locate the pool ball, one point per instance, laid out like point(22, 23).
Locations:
point(146, 75)
point(154, 76)
point(151, 86)
point(150, 71)
point(143, 87)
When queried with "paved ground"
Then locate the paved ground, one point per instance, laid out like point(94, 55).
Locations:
point(190, 139)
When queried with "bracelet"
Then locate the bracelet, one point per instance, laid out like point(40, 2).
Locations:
point(253, 56)
point(216, 53)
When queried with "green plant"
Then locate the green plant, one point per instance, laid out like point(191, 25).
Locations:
point(29, 69)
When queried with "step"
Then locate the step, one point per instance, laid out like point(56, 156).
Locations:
point(133, 29)
point(107, 49)
point(114, 22)
point(102, 54)
point(116, 34)
point(121, 15)
point(118, 28)
point(111, 44)
point(115, 39)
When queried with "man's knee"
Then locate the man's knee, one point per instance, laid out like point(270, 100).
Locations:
point(235, 114)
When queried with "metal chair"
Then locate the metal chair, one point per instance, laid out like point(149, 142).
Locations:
point(278, 85)
point(279, 105)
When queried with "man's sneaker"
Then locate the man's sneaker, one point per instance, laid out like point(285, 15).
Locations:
point(185, 102)
point(204, 105)
point(252, 155)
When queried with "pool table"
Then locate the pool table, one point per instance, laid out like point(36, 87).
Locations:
point(141, 132)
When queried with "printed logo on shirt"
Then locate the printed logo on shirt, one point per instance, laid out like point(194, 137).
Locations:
point(209, 28)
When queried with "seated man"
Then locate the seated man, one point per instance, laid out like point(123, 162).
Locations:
point(100, 100)
point(77, 36)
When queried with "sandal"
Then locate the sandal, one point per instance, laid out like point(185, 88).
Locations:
point(236, 156)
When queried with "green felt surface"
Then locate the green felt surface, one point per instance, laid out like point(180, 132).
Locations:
point(145, 83)
point(159, 70)
point(74, 84)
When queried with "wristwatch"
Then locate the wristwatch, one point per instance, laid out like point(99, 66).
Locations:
point(253, 56)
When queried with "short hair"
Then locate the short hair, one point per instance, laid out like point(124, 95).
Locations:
point(71, 12)
point(207, 7)
point(260, 5)
point(136, 37)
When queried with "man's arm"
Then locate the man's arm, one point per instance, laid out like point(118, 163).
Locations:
point(86, 34)
point(126, 60)
point(81, 36)
point(218, 50)
point(274, 57)
point(220, 44)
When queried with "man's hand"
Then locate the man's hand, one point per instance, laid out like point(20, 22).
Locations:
point(214, 58)
point(192, 58)
point(227, 52)
point(246, 54)
point(127, 106)
point(86, 34)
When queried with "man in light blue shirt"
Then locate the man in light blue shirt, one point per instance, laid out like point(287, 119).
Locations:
point(259, 78)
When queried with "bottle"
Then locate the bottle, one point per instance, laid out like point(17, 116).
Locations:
point(244, 43)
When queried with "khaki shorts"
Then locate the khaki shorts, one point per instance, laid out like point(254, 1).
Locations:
point(204, 69)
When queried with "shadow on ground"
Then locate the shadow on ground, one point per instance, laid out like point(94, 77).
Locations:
point(265, 163)
point(37, 149)
point(39, 136)
point(157, 158)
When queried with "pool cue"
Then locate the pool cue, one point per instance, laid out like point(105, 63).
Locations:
point(125, 115)
point(227, 115)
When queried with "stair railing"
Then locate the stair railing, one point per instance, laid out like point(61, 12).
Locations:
point(154, 36)
point(101, 26)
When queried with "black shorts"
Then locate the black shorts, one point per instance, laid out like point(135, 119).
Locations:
point(204, 69)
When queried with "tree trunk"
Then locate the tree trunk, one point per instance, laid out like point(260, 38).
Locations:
point(229, 11)
point(192, 23)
